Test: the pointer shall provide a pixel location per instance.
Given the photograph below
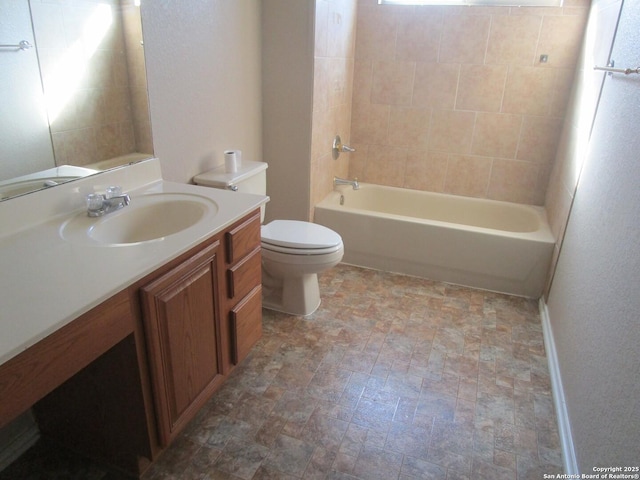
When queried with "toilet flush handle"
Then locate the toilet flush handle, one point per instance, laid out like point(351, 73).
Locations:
point(233, 188)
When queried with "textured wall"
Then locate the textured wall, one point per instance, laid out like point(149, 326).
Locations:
point(593, 302)
point(203, 67)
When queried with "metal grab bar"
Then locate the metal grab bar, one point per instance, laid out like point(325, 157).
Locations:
point(23, 45)
point(610, 69)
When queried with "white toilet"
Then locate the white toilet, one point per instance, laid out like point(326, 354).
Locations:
point(293, 252)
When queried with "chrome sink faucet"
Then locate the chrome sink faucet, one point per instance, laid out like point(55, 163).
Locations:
point(100, 204)
point(342, 181)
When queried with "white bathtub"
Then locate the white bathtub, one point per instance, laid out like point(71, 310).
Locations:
point(498, 246)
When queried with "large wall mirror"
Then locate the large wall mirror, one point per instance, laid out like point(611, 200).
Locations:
point(73, 91)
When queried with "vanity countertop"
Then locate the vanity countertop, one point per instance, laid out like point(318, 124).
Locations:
point(48, 281)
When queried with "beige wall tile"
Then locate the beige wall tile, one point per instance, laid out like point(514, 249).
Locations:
point(376, 34)
point(451, 131)
point(563, 86)
point(358, 160)
point(481, 87)
point(392, 82)
point(386, 165)
point(513, 39)
point(435, 85)
point(409, 126)
point(425, 170)
point(341, 41)
point(322, 75)
point(539, 139)
point(418, 37)
point(333, 87)
point(464, 38)
point(321, 29)
point(467, 175)
point(370, 123)
point(513, 181)
point(496, 135)
point(485, 80)
point(529, 90)
point(560, 39)
point(362, 76)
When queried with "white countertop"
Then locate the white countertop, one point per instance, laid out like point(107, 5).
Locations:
point(47, 281)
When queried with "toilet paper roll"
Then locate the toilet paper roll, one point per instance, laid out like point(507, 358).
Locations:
point(232, 160)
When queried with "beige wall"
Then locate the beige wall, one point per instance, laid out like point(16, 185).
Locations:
point(203, 67)
point(455, 100)
point(335, 33)
point(287, 96)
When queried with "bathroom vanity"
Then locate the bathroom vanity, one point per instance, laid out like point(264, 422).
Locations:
point(116, 346)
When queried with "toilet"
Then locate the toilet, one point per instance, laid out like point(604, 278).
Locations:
point(293, 251)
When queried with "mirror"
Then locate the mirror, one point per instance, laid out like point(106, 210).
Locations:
point(73, 91)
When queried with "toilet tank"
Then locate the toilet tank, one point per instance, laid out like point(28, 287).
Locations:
point(251, 177)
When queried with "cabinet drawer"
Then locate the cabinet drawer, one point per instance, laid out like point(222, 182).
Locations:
point(246, 324)
point(243, 239)
point(245, 275)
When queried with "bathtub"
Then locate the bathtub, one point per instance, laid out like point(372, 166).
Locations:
point(487, 244)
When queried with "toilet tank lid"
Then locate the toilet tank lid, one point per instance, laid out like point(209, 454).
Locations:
point(298, 234)
point(220, 179)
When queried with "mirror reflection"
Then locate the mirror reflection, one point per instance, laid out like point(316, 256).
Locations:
point(76, 103)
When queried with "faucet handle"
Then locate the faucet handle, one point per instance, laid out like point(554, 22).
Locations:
point(338, 147)
point(95, 202)
point(113, 191)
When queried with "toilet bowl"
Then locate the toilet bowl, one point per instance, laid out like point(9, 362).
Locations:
point(293, 251)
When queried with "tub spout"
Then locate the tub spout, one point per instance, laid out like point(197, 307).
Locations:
point(343, 181)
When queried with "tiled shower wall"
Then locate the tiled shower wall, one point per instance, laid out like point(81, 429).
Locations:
point(457, 99)
point(334, 47)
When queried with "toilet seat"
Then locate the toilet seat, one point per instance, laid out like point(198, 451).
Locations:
point(295, 237)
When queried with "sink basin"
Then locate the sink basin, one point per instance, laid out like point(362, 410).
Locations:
point(147, 218)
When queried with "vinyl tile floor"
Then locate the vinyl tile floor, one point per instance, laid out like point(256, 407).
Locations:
point(393, 377)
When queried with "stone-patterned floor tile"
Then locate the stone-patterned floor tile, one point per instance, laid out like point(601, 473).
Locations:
point(377, 464)
point(392, 377)
point(289, 456)
point(324, 431)
point(421, 469)
point(241, 458)
point(408, 440)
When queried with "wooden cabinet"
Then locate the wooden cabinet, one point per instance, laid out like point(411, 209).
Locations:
point(182, 324)
point(201, 315)
point(244, 290)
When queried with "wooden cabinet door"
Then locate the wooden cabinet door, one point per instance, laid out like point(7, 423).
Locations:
point(182, 326)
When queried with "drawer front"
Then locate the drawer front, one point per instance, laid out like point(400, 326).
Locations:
point(246, 324)
point(243, 239)
point(245, 275)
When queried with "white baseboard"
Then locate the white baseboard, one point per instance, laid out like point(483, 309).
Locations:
point(19, 444)
point(564, 428)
